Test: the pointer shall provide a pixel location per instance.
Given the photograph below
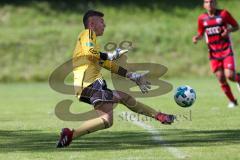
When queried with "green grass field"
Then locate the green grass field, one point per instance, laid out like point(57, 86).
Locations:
point(208, 130)
point(38, 36)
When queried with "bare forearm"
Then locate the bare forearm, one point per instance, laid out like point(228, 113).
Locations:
point(233, 29)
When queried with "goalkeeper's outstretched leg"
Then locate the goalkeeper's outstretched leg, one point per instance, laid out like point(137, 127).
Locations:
point(138, 107)
point(105, 119)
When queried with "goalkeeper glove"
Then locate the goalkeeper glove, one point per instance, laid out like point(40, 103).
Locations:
point(140, 80)
point(116, 54)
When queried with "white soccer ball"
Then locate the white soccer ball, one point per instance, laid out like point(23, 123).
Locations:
point(185, 96)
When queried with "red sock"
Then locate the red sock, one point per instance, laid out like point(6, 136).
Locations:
point(227, 90)
point(237, 77)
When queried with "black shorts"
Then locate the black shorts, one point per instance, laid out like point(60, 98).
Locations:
point(96, 92)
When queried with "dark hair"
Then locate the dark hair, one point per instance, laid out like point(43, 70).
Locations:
point(214, 0)
point(90, 13)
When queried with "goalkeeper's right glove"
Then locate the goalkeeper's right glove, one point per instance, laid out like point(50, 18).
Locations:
point(116, 54)
point(140, 80)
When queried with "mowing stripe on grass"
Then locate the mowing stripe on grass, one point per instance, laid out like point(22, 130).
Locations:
point(156, 136)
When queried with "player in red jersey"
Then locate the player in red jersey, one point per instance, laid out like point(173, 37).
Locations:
point(217, 24)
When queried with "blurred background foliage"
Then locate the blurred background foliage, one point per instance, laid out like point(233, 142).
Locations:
point(37, 36)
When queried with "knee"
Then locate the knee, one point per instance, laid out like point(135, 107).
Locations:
point(230, 76)
point(221, 79)
point(107, 120)
point(108, 123)
point(120, 95)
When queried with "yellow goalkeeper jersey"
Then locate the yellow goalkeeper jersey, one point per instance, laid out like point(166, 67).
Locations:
point(87, 63)
point(85, 71)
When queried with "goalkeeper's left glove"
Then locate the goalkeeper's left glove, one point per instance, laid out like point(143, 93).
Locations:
point(116, 54)
point(140, 80)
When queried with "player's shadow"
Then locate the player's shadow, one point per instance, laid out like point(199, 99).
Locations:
point(40, 141)
point(198, 138)
point(37, 140)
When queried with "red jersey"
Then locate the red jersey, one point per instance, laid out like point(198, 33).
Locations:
point(212, 27)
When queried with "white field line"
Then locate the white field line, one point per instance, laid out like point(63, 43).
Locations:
point(156, 137)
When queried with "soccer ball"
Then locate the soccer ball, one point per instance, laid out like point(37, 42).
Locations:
point(185, 96)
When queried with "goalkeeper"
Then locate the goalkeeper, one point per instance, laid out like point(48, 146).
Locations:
point(92, 89)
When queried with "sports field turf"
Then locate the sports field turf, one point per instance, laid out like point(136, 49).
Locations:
point(208, 130)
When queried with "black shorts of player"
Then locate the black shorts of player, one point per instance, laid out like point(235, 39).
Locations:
point(97, 92)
